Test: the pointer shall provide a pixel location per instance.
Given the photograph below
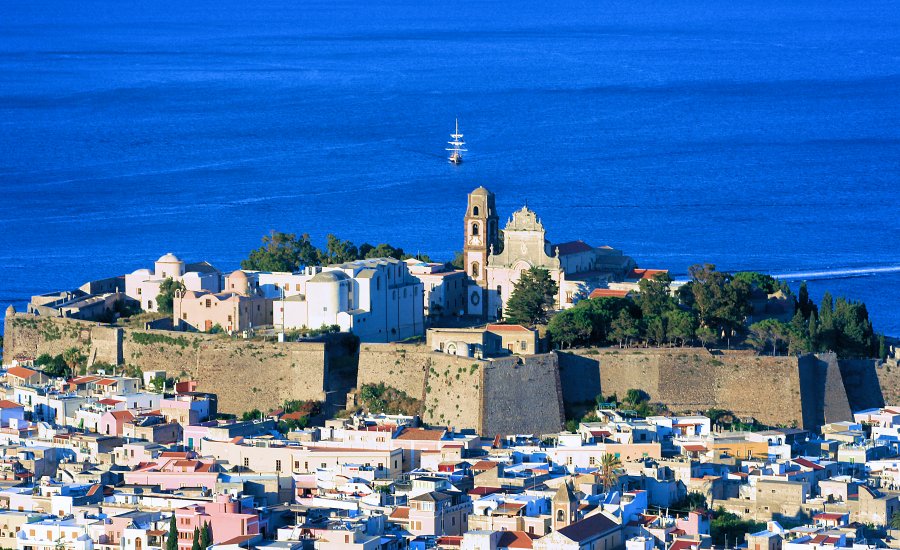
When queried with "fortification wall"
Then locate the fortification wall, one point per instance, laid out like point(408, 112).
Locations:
point(522, 395)
point(448, 386)
point(689, 379)
point(244, 374)
point(401, 366)
point(888, 378)
point(868, 383)
point(503, 396)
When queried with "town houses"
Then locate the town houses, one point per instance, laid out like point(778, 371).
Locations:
point(103, 461)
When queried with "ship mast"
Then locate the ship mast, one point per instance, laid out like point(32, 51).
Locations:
point(457, 145)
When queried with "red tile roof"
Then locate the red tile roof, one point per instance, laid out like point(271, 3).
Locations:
point(421, 434)
point(122, 415)
point(684, 545)
point(645, 273)
point(808, 464)
point(7, 404)
point(21, 372)
point(515, 539)
point(694, 448)
point(608, 293)
point(401, 512)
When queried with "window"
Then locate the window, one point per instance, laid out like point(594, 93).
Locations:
point(208, 302)
point(474, 210)
point(229, 318)
point(524, 345)
point(475, 269)
point(592, 460)
point(184, 316)
point(246, 462)
point(277, 465)
point(560, 515)
point(139, 291)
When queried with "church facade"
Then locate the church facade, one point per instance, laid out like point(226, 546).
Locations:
point(494, 264)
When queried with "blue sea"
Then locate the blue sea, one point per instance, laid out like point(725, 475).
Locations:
point(760, 135)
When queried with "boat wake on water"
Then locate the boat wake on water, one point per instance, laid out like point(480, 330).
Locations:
point(842, 273)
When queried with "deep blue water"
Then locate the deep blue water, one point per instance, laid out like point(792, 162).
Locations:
point(756, 135)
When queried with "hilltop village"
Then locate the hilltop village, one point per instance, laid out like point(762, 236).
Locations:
point(531, 395)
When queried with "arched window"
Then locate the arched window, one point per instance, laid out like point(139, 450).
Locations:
point(561, 515)
point(138, 544)
point(474, 228)
point(474, 210)
point(475, 269)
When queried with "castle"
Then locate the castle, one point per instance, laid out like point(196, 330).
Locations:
point(495, 265)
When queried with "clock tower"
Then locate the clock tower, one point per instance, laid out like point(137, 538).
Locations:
point(482, 234)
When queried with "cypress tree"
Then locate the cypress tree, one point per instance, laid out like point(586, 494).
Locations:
point(196, 543)
point(172, 539)
point(205, 536)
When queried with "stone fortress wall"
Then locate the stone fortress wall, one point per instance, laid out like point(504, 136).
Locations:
point(531, 394)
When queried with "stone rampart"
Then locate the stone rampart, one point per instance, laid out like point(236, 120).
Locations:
point(774, 390)
point(522, 395)
point(245, 374)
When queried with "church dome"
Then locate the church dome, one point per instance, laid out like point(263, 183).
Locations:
point(238, 275)
point(168, 257)
point(10, 311)
point(481, 191)
point(329, 276)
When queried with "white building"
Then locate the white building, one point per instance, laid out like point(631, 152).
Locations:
point(444, 289)
point(376, 299)
point(143, 284)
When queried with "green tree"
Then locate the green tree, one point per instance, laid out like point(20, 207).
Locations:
point(282, 252)
point(532, 298)
point(570, 327)
point(383, 250)
point(707, 335)
point(727, 528)
point(681, 325)
point(172, 538)
point(166, 295)
point(656, 329)
point(196, 544)
point(895, 521)
point(654, 298)
point(761, 281)
point(338, 251)
point(206, 536)
point(806, 306)
point(458, 262)
point(721, 302)
point(74, 359)
point(769, 334)
point(624, 328)
point(609, 470)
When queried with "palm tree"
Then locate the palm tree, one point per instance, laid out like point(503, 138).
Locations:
point(895, 521)
point(610, 476)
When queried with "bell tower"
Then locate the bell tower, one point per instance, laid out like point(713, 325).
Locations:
point(482, 234)
point(564, 506)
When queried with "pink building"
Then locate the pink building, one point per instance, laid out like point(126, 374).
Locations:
point(112, 422)
point(176, 473)
point(226, 517)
